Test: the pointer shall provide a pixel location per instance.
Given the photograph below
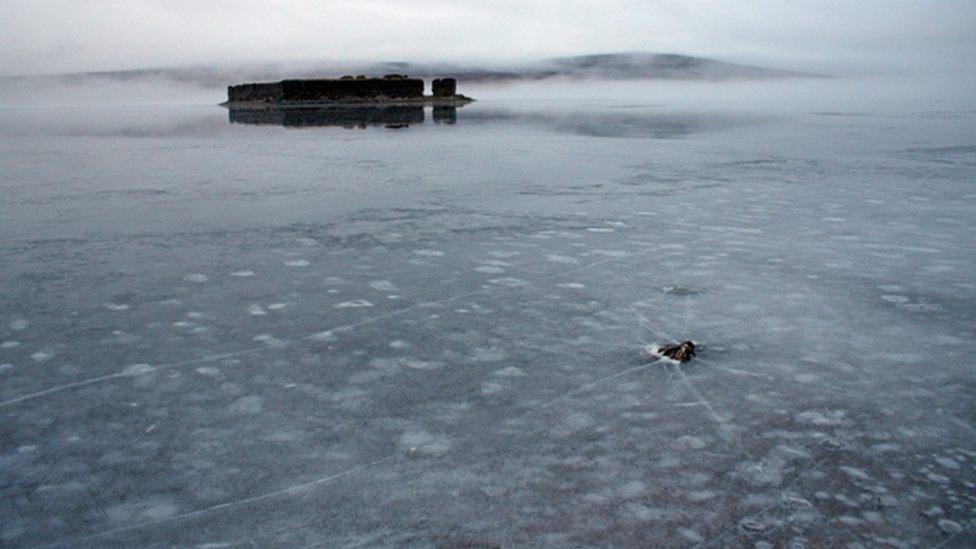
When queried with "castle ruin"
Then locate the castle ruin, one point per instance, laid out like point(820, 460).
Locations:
point(391, 88)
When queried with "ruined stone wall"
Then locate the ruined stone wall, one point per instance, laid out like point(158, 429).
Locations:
point(263, 93)
point(352, 89)
point(348, 89)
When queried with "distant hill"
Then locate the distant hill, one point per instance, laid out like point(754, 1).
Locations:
point(625, 66)
point(618, 66)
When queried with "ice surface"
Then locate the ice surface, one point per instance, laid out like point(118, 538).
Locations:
point(233, 334)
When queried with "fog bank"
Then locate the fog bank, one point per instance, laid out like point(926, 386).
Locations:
point(49, 36)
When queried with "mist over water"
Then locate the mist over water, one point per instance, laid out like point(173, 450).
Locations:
point(358, 327)
point(51, 92)
point(915, 89)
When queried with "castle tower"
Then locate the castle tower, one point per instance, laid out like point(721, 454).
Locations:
point(443, 87)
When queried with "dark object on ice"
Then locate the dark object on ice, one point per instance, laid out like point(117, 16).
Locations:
point(682, 352)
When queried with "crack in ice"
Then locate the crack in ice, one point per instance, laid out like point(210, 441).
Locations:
point(98, 379)
point(223, 506)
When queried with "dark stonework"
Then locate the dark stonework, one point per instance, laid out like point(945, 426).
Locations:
point(391, 88)
point(254, 93)
point(342, 89)
point(444, 87)
point(360, 88)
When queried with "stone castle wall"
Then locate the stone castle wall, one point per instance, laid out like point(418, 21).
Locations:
point(254, 92)
point(337, 90)
point(345, 89)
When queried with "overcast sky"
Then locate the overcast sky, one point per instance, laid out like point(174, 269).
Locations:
point(45, 36)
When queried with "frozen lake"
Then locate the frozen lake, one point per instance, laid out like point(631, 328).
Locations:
point(300, 334)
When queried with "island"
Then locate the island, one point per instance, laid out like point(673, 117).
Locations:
point(347, 90)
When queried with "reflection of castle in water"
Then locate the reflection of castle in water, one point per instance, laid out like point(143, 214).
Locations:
point(637, 122)
point(346, 116)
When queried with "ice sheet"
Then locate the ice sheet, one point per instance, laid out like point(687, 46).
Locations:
point(229, 334)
